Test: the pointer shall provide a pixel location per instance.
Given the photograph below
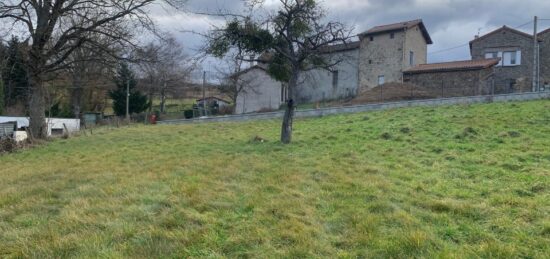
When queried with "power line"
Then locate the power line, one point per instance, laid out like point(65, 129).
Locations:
point(449, 49)
point(520, 26)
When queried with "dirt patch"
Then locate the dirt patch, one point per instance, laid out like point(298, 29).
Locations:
point(391, 92)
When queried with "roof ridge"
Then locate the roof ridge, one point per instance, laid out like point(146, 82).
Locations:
point(544, 31)
point(504, 27)
point(459, 61)
point(396, 23)
point(454, 65)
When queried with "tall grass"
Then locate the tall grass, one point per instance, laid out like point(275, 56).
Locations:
point(451, 182)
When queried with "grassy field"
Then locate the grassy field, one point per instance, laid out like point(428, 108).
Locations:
point(451, 182)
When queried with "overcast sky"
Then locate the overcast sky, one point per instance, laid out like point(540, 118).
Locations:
point(451, 23)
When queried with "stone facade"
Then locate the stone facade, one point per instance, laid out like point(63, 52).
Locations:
point(508, 78)
point(388, 54)
point(545, 59)
point(444, 84)
point(394, 48)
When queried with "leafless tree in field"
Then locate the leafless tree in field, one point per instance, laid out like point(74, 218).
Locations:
point(165, 66)
point(232, 83)
point(53, 38)
point(297, 37)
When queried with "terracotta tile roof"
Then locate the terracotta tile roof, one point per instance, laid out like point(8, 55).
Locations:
point(453, 66)
point(397, 27)
point(341, 47)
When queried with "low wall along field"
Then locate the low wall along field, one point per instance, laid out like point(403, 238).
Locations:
point(372, 107)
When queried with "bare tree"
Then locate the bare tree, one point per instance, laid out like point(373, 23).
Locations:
point(297, 39)
point(53, 39)
point(232, 83)
point(91, 67)
point(165, 66)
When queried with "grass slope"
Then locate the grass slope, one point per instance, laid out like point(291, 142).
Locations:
point(451, 182)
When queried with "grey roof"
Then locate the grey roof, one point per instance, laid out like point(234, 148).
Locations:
point(341, 47)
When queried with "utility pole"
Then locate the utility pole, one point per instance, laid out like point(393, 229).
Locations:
point(204, 93)
point(535, 54)
point(128, 99)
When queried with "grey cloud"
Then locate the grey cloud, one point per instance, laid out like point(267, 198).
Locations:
point(450, 22)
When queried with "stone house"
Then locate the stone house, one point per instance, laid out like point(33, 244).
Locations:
point(387, 50)
point(452, 79)
point(380, 56)
point(544, 37)
point(514, 73)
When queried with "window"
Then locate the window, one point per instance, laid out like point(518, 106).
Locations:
point(392, 35)
point(511, 58)
point(411, 58)
point(490, 55)
point(370, 61)
point(335, 75)
point(371, 38)
point(381, 80)
point(507, 58)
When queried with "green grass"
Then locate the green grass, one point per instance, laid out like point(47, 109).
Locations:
point(174, 105)
point(450, 182)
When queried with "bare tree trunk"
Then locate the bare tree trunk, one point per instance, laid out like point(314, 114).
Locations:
point(151, 90)
point(288, 119)
point(76, 96)
point(163, 98)
point(37, 108)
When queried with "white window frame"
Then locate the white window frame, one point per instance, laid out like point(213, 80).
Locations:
point(515, 56)
point(504, 62)
point(381, 80)
point(494, 54)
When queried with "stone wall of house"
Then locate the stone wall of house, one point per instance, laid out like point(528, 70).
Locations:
point(388, 57)
point(508, 40)
point(381, 57)
point(321, 84)
point(545, 60)
point(416, 43)
point(263, 93)
point(452, 83)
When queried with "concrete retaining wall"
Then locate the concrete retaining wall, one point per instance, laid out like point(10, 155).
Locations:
point(371, 107)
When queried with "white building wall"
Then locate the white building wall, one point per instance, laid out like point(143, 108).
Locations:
point(318, 85)
point(264, 93)
point(73, 125)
